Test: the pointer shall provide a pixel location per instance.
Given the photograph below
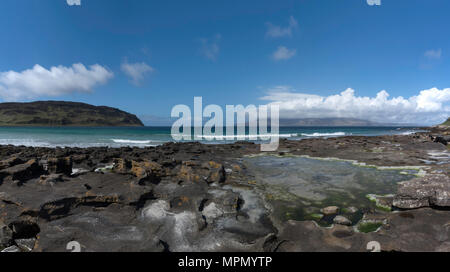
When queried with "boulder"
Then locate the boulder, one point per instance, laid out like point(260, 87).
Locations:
point(342, 220)
point(331, 210)
point(431, 190)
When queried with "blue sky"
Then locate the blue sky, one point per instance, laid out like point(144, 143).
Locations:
point(315, 58)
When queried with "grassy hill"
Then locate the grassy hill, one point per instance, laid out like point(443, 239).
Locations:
point(61, 113)
point(446, 123)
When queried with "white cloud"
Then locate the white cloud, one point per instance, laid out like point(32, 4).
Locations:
point(74, 2)
point(136, 71)
point(210, 47)
point(283, 53)
point(60, 80)
point(428, 107)
point(275, 31)
point(374, 2)
point(433, 54)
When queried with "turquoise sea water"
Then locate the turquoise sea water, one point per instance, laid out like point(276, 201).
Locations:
point(153, 136)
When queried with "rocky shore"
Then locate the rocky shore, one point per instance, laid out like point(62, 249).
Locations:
point(196, 197)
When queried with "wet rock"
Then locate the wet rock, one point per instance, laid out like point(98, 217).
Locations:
point(431, 190)
point(330, 210)
point(342, 220)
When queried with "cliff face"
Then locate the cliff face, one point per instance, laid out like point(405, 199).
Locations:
point(61, 113)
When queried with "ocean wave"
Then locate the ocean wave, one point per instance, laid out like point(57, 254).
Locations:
point(24, 142)
point(126, 141)
point(247, 136)
point(410, 132)
point(329, 134)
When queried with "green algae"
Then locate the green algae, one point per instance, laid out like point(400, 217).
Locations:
point(369, 226)
point(297, 187)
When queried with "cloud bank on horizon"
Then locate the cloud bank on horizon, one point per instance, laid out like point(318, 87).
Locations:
point(428, 107)
point(56, 81)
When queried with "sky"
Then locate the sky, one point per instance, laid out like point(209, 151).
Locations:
point(380, 60)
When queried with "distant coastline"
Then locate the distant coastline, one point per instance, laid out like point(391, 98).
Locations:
point(64, 114)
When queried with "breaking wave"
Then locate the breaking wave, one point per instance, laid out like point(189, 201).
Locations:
point(317, 134)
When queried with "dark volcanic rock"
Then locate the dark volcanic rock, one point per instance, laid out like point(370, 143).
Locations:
point(10, 162)
point(23, 172)
point(61, 165)
point(195, 197)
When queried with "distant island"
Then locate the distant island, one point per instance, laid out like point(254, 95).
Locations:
point(62, 113)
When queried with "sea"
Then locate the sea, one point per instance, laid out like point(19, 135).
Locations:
point(154, 136)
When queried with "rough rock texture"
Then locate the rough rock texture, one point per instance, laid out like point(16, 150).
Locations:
point(431, 190)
